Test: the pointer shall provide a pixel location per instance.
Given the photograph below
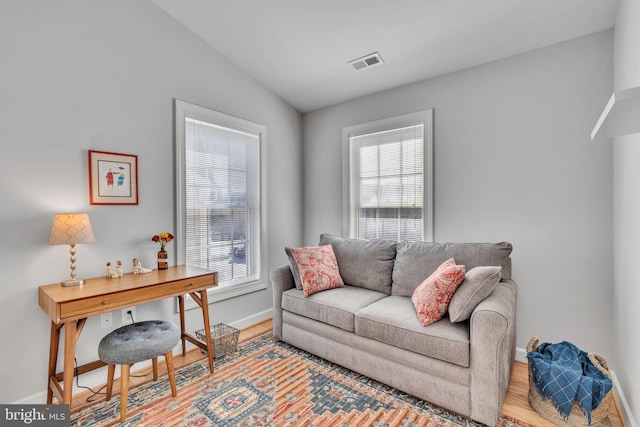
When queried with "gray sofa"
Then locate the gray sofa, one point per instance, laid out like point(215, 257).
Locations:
point(370, 325)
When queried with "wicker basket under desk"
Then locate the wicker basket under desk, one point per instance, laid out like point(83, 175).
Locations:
point(224, 339)
point(577, 417)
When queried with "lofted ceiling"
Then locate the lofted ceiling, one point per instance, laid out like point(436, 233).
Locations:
point(300, 49)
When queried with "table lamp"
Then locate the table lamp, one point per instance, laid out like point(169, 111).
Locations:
point(70, 229)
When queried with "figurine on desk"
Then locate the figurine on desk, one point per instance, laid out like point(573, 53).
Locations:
point(118, 269)
point(138, 268)
point(111, 273)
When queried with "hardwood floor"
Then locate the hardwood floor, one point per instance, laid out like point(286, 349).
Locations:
point(516, 404)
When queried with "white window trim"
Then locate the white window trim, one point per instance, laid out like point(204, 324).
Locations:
point(424, 118)
point(219, 293)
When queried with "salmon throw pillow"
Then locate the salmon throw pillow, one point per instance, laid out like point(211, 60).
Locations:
point(431, 298)
point(317, 268)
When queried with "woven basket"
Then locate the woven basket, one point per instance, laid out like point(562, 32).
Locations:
point(577, 417)
point(224, 339)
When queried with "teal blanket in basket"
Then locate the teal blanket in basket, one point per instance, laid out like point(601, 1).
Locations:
point(563, 373)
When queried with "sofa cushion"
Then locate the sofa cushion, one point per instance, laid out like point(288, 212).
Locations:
point(364, 263)
point(317, 268)
point(478, 283)
point(336, 307)
point(393, 320)
point(417, 260)
point(431, 298)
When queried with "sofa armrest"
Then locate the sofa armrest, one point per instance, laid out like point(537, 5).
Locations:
point(493, 347)
point(281, 280)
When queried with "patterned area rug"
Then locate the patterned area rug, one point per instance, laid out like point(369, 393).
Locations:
point(270, 383)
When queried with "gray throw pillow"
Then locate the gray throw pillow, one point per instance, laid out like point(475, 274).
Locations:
point(364, 263)
point(478, 283)
point(294, 268)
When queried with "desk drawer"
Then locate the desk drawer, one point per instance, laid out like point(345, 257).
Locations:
point(128, 297)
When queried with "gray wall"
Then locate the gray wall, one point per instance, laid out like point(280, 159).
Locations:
point(513, 162)
point(79, 75)
point(626, 212)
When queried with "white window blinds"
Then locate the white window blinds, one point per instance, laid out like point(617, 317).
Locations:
point(222, 201)
point(387, 184)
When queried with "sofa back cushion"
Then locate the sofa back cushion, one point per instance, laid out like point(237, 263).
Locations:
point(415, 261)
point(364, 263)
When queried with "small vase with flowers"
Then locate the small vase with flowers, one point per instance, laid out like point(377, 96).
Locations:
point(163, 238)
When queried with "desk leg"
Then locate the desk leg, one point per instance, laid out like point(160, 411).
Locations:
point(54, 343)
point(182, 327)
point(70, 338)
point(200, 297)
point(207, 326)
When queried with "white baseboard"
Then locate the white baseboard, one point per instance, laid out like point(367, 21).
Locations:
point(34, 399)
point(98, 377)
point(627, 415)
point(253, 319)
point(623, 404)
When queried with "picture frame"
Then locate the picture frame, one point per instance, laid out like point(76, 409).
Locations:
point(113, 178)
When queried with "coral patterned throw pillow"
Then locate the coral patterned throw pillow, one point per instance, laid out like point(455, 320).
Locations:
point(318, 268)
point(431, 298)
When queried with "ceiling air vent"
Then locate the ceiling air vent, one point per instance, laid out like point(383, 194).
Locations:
point(367, 61)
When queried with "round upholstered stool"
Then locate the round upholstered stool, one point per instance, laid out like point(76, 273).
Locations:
point(135, 343)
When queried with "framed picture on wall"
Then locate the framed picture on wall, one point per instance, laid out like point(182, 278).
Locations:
point(113, 178)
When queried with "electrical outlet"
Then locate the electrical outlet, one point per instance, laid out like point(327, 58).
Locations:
point(106, 320)
point(127, 318)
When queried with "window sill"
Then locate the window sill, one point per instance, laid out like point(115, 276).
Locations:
point(222, 293)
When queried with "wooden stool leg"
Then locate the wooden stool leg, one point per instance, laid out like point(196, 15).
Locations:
point(124, 390)
point(154, 362)
point(110, 372)
point(168, 358)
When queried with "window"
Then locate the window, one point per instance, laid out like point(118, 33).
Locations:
point(219, 212)
point(388, 169)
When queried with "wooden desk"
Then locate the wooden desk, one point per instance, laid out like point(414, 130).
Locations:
point(69, 307)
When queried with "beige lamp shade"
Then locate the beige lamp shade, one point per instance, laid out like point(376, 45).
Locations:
point(71, 228)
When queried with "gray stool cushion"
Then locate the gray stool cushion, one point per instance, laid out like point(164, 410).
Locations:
point(138, 341)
